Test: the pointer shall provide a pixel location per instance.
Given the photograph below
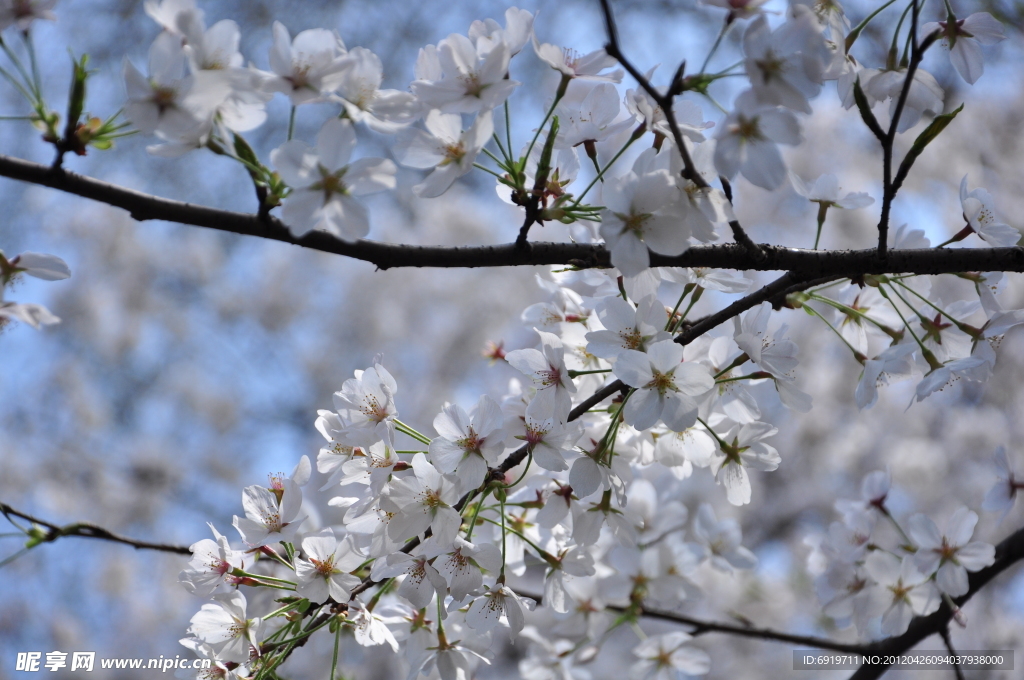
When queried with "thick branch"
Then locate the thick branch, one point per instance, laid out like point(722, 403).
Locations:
point(86, 530)
point(809, 263)
point(1008, 553)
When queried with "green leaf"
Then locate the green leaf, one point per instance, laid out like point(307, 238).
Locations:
point(927, 135)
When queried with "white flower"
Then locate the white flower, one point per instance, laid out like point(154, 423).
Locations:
point(474, 76)
point(626, 327)
point(38, 265)
point(167, 101)
point(772, 352)
point(547, 369)
point(1003, 495)
point(517, 31)
point(211, 565)
point(324, 182)
point(964, 38)
point(224, 626)
point(425, 501)
point(572, 64)
point(825, 192)
point(722, 540)
point(874, 490)
point(641, 212)
point(548, 437)
point(453, 661)
point(780, 71)
point(359, 92)
point(497, 603)
point(325, 570)
point(307, 68)
point(587, 114)
point(970, 368)
point(270, 516)
point(748, 138)
point(892, 364)
point(979, 211)
point(421, 581)
point(903, 591)
point(468, 444)
point(366, 406)
point(666, 387)
point(741, 447)
point(462, 564)
point(689, 116)
point(370, 629)
point(948, 555)
point(445, 147)
point(666, 656)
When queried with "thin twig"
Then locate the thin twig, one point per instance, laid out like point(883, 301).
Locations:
point(87, 530)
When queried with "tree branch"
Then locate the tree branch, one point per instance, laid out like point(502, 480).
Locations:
point(86, 530)
point(812, 263)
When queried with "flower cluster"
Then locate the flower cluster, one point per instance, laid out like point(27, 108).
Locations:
point(880, 589)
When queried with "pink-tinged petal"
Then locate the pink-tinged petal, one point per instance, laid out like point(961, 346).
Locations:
point(764, 166)
point(370, 175)
point(43, 266)
point(445, 525)
point(438, 182)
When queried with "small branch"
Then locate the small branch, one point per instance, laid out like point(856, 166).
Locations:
point(952, 652)
point(86, 530)
point(700, 627)
point(738, 234)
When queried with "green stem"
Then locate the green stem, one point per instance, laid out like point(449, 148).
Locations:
point(698, 291)
point(718, 41)
point(529, 460)
point(334, 660)
point(487, 170)
point(600, 174)
point(814, 312)
point(558, 97)
point(415, 434)
point(508, 132)
point(476, 513)
point(904, 320)
point(573, 374)
point(822, 210)
point(687, 289)
point(291, 123)
point(852, 36)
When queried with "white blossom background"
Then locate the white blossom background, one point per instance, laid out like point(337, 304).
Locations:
point(190, 363)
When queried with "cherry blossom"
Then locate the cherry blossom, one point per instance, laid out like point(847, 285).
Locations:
point(626, 327)
point(307, 68)
point(424, 501)
point(979, 212)
point(324, 572)
point(359, 92)
point(739, 448)
point(546, 367)
point(964, 38)
point(747, 141)
point(1003, 495)
point(903, 592)
point(223, 626)
point(445, 147)
point(571, 64)
point(474, 76)
point(664, 657)
point(722, 541)
point(641, 213)
point(500, 602)
point(324, 182)
point(211, 565)
point(468, 445)
point(366, 406)
point(666, 387)
point(780, 71)
point(949, 555)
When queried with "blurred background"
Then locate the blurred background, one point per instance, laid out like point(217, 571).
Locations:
point(190, 363)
